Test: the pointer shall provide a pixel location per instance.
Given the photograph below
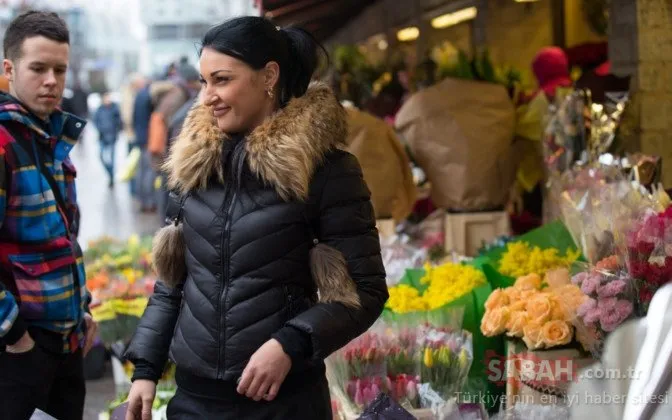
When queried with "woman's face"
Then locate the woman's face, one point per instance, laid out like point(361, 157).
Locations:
point(235, 92)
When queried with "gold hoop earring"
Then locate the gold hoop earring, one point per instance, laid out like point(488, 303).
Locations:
point(269, 91)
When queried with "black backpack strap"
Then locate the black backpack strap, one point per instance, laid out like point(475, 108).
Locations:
point(29, 146)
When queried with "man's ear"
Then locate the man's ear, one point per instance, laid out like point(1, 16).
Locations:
point(8, 67)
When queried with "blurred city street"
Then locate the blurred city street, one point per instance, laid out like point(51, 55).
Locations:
point(110, 212)
point(105, 211)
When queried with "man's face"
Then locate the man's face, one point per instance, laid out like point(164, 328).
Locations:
point(37, 76)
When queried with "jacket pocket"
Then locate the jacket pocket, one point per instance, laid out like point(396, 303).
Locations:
point(45, 286)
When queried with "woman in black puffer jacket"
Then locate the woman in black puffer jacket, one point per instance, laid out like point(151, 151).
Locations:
point(271, 260)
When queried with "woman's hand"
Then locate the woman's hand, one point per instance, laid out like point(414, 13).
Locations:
point(140, 400)
point(267, 369)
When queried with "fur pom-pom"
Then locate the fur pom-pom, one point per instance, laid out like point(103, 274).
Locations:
point(330, 272)
point(168, 255)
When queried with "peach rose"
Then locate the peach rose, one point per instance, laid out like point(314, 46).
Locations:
point(518, 306)
point(557, 278)
point(517, 295)
point(497, 299)
point(531, 281)
point(571, 295)
point(494, 321)
point(532, 336)
point(516, 324)
point(540, 308)
point(560, 309)
point(556, 333)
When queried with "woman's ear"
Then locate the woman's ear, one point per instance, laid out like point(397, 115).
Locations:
point(271, 75)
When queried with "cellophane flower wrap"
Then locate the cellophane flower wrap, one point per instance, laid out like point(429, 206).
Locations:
point(357, 372)
point(399, 254)
point(648, 254)
point(611, 298)
point(447, 355)
point(402, 347)
point(587, 206)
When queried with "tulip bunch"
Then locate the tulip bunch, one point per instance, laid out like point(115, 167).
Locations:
point(446, 359)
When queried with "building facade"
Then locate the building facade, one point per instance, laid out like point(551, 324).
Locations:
point(175, 27)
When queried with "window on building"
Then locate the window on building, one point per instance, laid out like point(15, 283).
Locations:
point(197, 30)
point(165, 32)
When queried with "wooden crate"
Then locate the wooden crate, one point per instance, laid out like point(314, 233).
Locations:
point(466, 232)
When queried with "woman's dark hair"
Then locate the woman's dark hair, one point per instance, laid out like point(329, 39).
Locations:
point(257, 41)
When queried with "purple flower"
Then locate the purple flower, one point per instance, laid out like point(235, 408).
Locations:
point(590, 284)
point(611, 289)
point(614, 316)
point(592, 316)
point(579, 278)
point(586, 306)
point(607, 304)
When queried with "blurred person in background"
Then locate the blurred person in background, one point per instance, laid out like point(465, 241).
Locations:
point(45, 325)
point(143, 106)
point(109, 124)
point(185, 86)
point(137, 82)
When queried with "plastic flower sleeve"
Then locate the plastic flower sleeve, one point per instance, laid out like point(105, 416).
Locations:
point(398, 256)
point(648, 255)
point(357, 372)
point(446, 360)
point(610, 298)
point(401, 341)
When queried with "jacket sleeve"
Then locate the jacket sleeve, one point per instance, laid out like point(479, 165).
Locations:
point(12, 326)
point(151, 342)
point(346, 223)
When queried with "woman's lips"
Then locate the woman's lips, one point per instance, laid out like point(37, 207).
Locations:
point(218, 112)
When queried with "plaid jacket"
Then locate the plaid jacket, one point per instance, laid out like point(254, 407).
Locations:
point(42, 279)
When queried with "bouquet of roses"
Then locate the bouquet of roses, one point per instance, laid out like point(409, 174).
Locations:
point(611, 297)
point(446, 360)
point(648, 255)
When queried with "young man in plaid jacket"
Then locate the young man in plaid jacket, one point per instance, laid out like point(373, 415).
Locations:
point(45, 329)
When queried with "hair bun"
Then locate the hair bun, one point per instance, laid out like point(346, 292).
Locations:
point(303, 61)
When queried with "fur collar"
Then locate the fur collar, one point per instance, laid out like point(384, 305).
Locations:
point(283, 152)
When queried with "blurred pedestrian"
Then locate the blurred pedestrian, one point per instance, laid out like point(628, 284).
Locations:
point(45, 327)
point(142, 112)
point(108, 122)
point(129, 92)
point(185, 86)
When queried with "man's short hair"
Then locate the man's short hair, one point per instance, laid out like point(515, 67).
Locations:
point(31, 24)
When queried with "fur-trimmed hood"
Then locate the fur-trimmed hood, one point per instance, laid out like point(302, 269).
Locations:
point(283, 152)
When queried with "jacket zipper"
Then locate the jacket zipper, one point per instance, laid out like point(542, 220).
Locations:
point(229, 200)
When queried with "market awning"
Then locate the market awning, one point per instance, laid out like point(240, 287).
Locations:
point(321, 17)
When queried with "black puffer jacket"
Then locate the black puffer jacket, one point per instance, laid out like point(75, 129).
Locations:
point(250, 250)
